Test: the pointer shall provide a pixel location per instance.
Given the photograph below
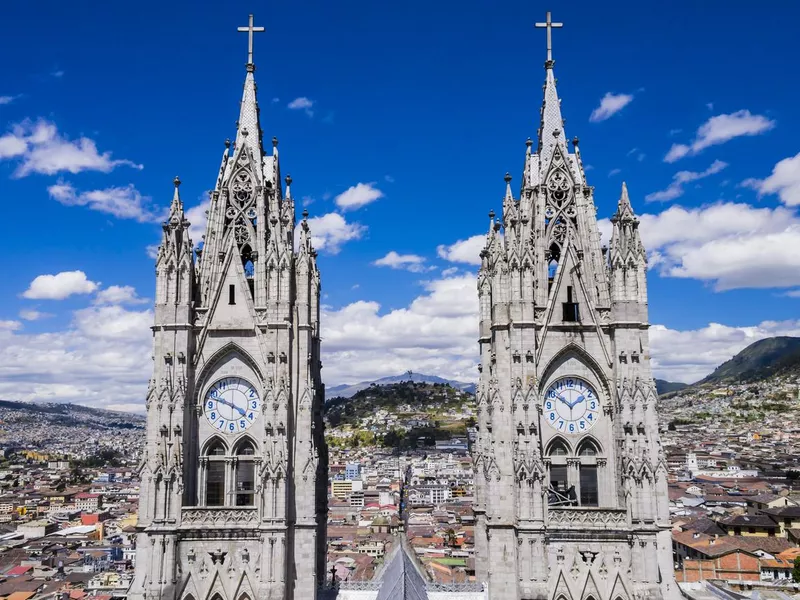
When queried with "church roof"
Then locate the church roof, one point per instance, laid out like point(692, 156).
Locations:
point(401, 579)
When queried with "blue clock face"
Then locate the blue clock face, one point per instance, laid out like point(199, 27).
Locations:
point(571, 405)
point(231, 405)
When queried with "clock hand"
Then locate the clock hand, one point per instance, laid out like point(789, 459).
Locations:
point(578, 400)
point(232, 405)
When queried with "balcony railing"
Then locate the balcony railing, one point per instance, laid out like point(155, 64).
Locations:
point(588, 517)
point(219, 516)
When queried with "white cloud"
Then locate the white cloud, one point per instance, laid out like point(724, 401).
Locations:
point(10, 326)
point(406, 262)
point(727, 244)
point(610, 105)
point(43, 150)
point(302, 103)
point(34, 315)
point(675, 189)
point(357, 196)
point(613, 172)
point(198, 218)
point(123, 202)
point(152, 251)
point(464, 251)
point(59, 286)
point(720, 129)
point(329, 232)
point(103, 359)
point(690, 355)
point(435, 334)
point(7, 99)
point(784, 181)
point(119, 294)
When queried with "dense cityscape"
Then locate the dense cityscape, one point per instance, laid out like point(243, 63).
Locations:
point(400, 468)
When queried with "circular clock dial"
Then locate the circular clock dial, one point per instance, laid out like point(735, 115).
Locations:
point(231, 405)
point(571, 405)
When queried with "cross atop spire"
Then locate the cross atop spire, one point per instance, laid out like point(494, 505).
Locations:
point(548, 24)
point(251, 30)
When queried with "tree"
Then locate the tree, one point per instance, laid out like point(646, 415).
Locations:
point(796, 570)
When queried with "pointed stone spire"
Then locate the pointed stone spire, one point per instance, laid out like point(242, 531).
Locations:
point(551, 127)
point(176, 208)
point(288, 181)
point(624, 208)
point(249, 125)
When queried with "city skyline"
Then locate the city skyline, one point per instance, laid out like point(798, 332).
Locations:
point(398, 153)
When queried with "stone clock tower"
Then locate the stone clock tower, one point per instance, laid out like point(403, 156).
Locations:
point(571, 483)
point(233, 480)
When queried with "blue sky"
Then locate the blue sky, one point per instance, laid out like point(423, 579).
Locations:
point(418, 109)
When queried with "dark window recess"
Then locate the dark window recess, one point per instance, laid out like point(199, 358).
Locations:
point(215, 484)
point(570, 308)
point(245, 483)
point(231, 294)
point(589, 485)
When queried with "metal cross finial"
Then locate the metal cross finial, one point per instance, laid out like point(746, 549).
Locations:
point(549, 26)
point(250, 31)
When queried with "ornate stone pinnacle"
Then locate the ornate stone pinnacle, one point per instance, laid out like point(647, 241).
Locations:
point(529, 142)
point(305, 214)
point(176, 181)
point(288, 180)
point(575, 141)
point(491, 214)
point(507, 178)
point(227, 142)
point(274, 141)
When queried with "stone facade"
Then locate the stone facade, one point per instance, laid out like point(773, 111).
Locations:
point(571, 482)
point(233, 496)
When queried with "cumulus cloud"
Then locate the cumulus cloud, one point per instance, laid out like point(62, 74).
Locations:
point(302, 103)
point(119, 294)
point(42, 149)
point(34, 315)
point(151, 251)
point(434, 334)
point(357, 196)
point(675, 189)
point(726, 244)
point(463, 251)
point(720, 129)
point(103, 359)
point(610, 104)
point(10, 326)
point(198, 218)
point(330, 231)
point(784, 181)
point(690, 355)
point(406, 262)
point(59, 286)
point(122, 202)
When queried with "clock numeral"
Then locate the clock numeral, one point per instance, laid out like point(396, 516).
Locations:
point(223, 384)
point(590, 417)
point(592, 405)
point(210, 404)
point(582, 424)
point(571, 427)
point(221, 423)
point(243, 424)
point(548, 405)
point(214, 393)
point(252, 393)
point(212, 416)
point(561, 424)
point(251, 416)
point(552, 393)
point(570, 383)
point(552, 416)
point(254, 404)
point(231, 427)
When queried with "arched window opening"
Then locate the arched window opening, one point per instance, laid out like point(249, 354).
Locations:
point(249, 267)
point(557, 448)
point(216, 449)
point(587, 449)
point(553, 255)
point(245, 474)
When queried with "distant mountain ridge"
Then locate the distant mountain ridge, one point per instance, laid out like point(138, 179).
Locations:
point(760, 360)
point(666, 387)
point(349, 390)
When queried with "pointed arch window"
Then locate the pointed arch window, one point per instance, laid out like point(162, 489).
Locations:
point(573, 474)
point(245, 474)
point(587, 470)
point(215, 474)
